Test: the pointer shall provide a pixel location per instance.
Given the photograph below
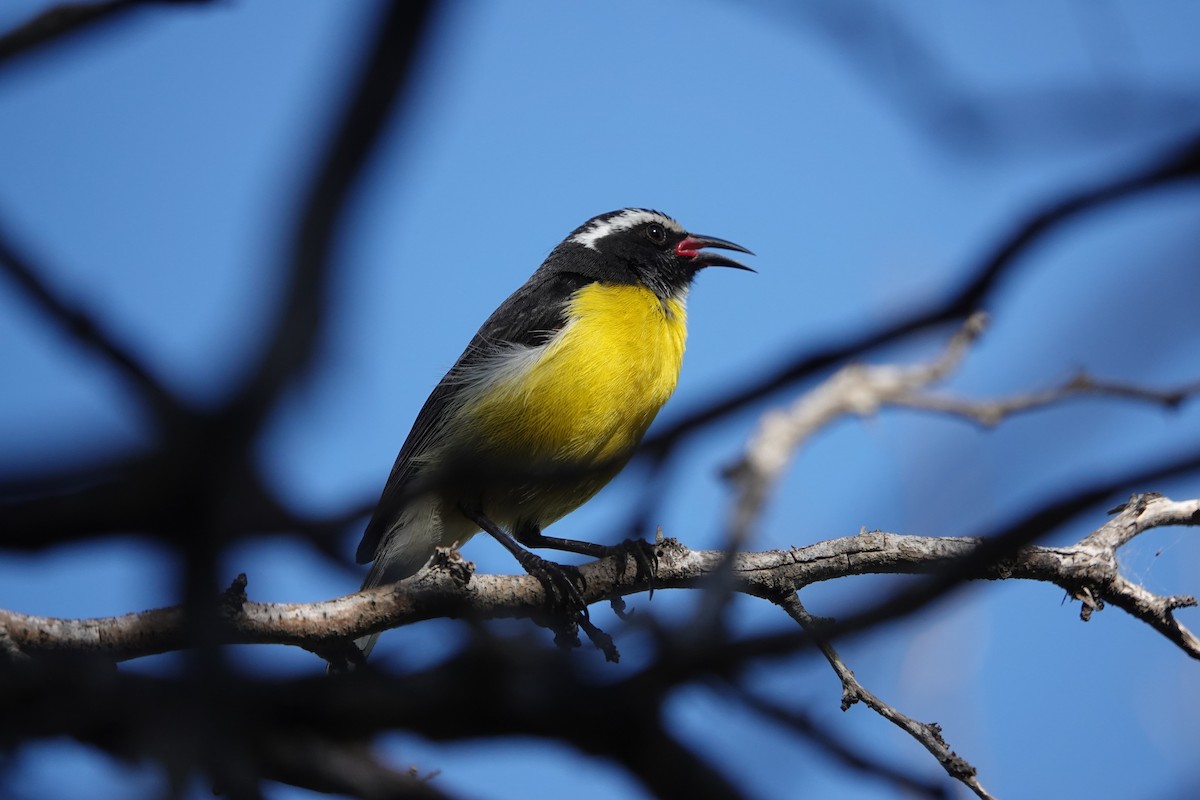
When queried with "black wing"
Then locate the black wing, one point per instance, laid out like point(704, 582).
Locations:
point(528, 317)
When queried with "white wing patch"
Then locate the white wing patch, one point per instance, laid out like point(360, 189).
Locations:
point(503, 364)
point(621, 221)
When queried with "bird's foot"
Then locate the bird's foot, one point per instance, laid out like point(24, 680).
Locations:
point(645, 558)
point(561, 582)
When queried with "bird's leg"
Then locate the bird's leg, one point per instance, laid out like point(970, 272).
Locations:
point(645, 555)
point(558, 584)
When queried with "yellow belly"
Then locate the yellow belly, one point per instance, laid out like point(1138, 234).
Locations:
point(585, 400)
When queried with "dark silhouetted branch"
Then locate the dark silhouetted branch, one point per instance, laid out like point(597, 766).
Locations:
point(60, 23)
point(1182, 163)
point(88, 332)
point(385, 74)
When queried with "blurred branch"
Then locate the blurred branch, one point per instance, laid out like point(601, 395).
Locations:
point(924, 89)
point(857, 389)
point(927, 734)
point(487, 690)
point(122, 494)
point(866, 389)
point(202, 452)
point(300, 324)
point(132, 494)
point(89, 332)
point(1181, 163)
point(349, 768)
point(59, 24)
point(1087, 570)
point(201, 464)
point(991, 412)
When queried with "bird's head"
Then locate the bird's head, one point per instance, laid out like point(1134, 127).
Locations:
point(636, 245)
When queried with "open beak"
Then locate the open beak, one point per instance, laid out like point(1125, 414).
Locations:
point(693, 246)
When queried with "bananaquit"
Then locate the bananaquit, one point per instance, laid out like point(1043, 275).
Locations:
point(547, 403)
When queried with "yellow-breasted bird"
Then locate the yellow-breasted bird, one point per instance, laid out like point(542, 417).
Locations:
point(548, 401)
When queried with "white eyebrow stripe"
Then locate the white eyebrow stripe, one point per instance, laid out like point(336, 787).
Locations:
point(629, 218)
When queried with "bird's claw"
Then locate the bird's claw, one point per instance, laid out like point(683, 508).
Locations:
point(561, 582)
point(645, 558)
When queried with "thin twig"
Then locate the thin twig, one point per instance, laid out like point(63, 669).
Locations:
point(928, 734)
point(846, 755)
point(991, 412)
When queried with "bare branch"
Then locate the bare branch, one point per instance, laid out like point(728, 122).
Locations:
point(865, 389)
point(492, 688)
point(1090, 566)
point(991, 412)
point(913, 79)
point(853, 389)
point(927, 734)
point(1138, 515)
point(1155, 611)
point(845, 755)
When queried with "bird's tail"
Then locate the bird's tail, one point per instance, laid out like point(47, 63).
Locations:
point(404, 550)
point(377, 576)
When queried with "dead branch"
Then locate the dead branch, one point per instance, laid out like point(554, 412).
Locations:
point(927, 734)
point(1088, 568)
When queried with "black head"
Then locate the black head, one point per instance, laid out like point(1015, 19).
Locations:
point(636, 245)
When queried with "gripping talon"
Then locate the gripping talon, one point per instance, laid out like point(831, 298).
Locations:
point(645, 558)
point(558, 581)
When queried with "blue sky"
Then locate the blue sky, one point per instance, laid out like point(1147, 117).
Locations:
point(154, 171)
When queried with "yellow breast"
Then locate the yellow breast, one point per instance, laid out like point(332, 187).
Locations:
point(588, 395)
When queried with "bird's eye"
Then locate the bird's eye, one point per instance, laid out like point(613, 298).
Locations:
point(656, 233)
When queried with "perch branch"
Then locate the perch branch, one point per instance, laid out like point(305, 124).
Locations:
point(1088, 568)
